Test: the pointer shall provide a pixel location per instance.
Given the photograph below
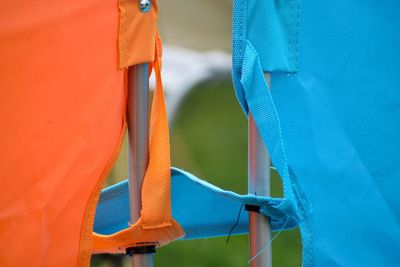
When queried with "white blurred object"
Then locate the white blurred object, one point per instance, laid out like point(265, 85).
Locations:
point(183, 69)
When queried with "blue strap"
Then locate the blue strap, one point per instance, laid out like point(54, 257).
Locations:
point(255, 97)
point(202, 209)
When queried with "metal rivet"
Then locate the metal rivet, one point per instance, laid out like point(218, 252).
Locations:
point(144, 6)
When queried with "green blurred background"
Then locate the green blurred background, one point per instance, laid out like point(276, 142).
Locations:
point(208, 139)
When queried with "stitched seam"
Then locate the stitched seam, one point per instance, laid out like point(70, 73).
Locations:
point(86, 241)
point(290, 44)
point(296, 60)
point(123, 34)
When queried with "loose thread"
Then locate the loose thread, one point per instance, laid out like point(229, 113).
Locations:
point(236, 223)
point(269, 243)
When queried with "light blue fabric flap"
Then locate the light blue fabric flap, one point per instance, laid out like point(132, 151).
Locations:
point(271, 26)
point(203, 210)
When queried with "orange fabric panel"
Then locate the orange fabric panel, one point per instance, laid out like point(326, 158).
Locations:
point(156, 225)
point(62, 111)
point(137, 33)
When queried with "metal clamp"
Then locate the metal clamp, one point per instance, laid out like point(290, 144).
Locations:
point(141, 250)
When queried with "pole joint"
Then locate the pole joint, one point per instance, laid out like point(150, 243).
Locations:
point(151, 249)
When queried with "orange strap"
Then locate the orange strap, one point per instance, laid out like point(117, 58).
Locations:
point(156, 225)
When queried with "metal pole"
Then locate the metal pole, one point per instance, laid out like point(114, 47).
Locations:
point(258, 184)
point(138, 136)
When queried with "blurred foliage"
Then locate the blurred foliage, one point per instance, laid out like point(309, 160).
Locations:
point(209, 139)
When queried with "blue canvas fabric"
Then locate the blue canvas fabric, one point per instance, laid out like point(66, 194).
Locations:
point(202, 209)
point(276, 37)
point(331, 124)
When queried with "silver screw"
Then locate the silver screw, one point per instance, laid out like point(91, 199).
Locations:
point(144, 6)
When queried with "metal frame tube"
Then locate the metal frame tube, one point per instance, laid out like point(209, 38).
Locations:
point(138, 136)
point(259, 184)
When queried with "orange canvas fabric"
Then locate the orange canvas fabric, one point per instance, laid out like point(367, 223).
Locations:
point(137, 33)
point(62, 112)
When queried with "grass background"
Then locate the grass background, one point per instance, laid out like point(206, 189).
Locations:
point(209, 139)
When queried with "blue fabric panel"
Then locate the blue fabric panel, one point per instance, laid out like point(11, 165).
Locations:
point(338, 122)
point(203, 210)
point(272, 28)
